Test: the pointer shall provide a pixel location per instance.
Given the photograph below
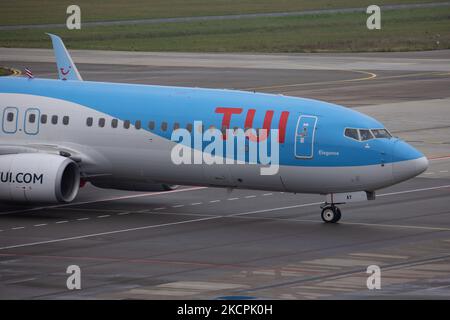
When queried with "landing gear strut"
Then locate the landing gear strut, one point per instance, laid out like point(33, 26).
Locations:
point(330, 213)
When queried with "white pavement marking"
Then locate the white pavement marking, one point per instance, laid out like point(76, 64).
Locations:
point(398, 226)
point(249, 197)
point(108, 232)
point(249, 213)
point(160, 208)
point(150, 194)
point(40, 225)
point(178, 206)
point(104, 216)
point(196, 203)
point(318, 203)
point(275, 209)
point(414, 190)
point(59, 222)
point(82, 219)
point(440, 158)
point(232, 199)
point(214, 201)
point(267, 194)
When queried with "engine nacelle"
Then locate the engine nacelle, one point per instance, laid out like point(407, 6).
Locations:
point(38, 177)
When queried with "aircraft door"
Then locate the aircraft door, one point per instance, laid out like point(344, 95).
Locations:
point(10, 119)
point(304, 137)
point(31, 121)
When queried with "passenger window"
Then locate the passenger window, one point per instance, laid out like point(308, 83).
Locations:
point(89, 122)
point(365, 134)
point(352, 134)
point(101, 122)
point(65, 120)
point(32, 118)
point(44, 119)
point(54, 119)
point(114, 123)
point(164, 126)
point(138, 124)
point(126, 124)
point(381, 133)
point(189, 127)
point(10, 117)
point(151, 125)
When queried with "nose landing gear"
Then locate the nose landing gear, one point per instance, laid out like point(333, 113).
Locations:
point(330, 213)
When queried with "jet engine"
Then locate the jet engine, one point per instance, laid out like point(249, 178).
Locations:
point(38, 177)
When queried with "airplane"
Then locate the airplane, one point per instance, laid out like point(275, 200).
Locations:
point(58, 134)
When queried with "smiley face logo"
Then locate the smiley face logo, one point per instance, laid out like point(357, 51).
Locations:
point(64, 72)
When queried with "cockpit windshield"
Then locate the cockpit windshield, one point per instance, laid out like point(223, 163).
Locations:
point(381, 133)
point(366, 134)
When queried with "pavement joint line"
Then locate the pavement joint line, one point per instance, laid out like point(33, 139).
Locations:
point(378, 255)
point(346, 273)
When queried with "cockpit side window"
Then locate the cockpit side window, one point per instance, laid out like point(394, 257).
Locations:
point(351, 133)
point(365, 134)
point(381, 133)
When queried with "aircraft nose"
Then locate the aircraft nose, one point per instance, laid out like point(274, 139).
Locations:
point(408, 162)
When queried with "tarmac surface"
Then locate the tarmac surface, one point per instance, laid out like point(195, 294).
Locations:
point(211, 243)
